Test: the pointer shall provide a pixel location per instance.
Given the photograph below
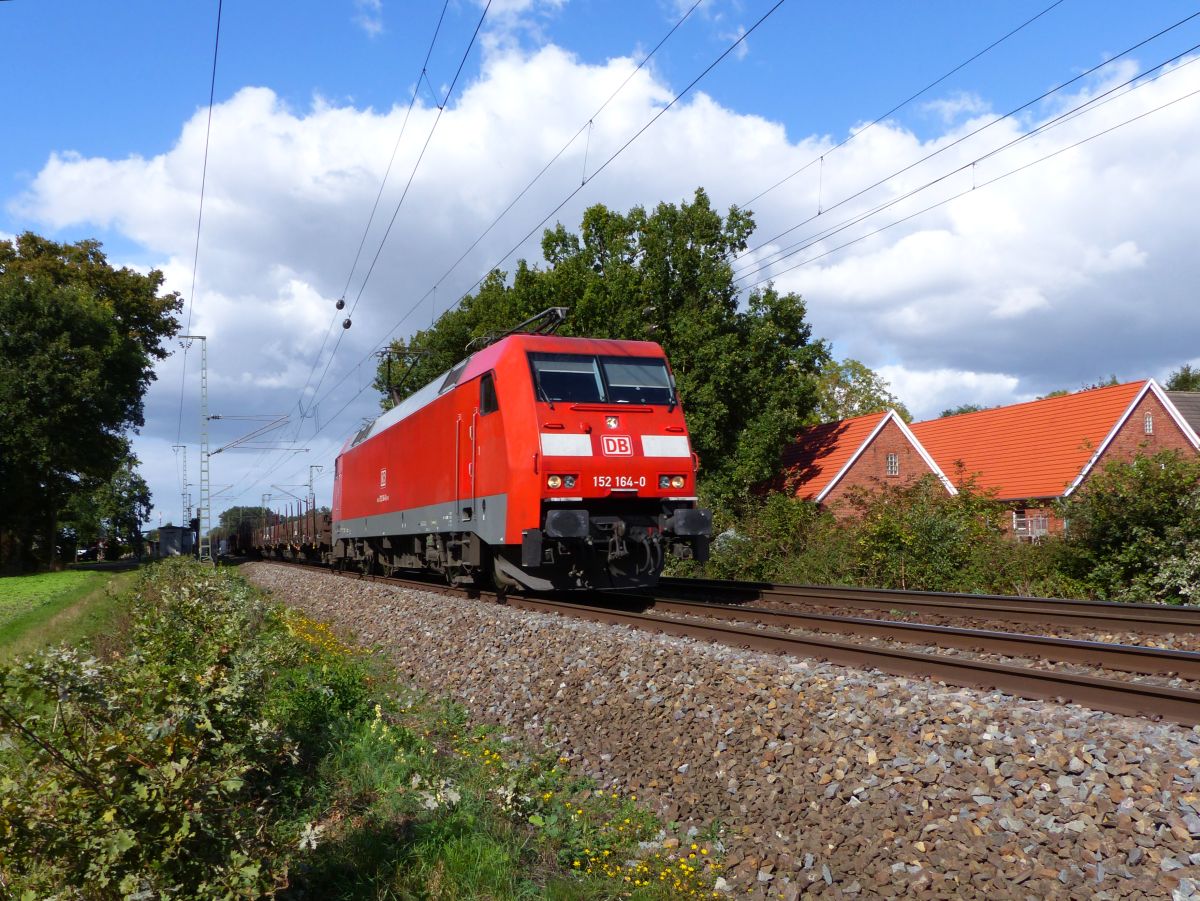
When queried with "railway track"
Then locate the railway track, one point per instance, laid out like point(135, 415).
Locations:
point(711, 622)
point(1151, 618)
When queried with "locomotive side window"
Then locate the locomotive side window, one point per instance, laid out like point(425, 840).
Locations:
point(488, 402)
point(567, 377)
point(637, 381)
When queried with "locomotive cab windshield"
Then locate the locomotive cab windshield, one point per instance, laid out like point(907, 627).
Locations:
point(586, 379)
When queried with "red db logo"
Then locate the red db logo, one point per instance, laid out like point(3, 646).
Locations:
point(616, 445)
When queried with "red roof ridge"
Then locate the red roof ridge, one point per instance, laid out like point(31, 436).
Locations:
point(1089, 392)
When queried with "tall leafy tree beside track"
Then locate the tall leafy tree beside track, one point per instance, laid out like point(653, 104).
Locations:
point(78, 340)
point(113, 510)
point(746, 372)
point(849, 388)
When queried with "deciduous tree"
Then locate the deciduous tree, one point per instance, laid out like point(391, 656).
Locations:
point(1185, 378)
point(78, 340)
point(850, 388)
point(745, 369)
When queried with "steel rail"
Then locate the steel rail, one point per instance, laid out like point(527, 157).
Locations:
point(1154, 618)
point(1114, 695)
point(1125, 657)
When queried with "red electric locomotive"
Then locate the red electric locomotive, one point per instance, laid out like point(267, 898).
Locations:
point(538, 462)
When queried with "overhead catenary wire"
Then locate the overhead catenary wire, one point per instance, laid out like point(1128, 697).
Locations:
point(1088, 105)
point(1012, 113)
point(491, 269)
point(947, 200)
point(411, 176)
point(375, 206)
point(585, 127)
point(645, 59)
point(733, 46)
point(903, 103)
point(980, 186)
point(537, 177)
point(190, 302)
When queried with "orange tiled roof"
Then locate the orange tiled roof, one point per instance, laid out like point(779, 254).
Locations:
point(819, 452)
point(1034, 449)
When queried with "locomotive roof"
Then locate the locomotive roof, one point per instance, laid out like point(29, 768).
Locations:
point(485, 359)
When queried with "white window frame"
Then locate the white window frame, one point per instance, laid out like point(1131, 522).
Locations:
point(1148, 423)
point(892, 464)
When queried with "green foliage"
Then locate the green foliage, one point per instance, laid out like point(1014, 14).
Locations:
point(773, 534)
point(918, 536)
point(150, 772)
point(1099, 383)
point(234, 517)
point(960, 409)
point(1134, 528)
point(913, 536)
point(232, 750)
point(113, 510)
point(1185, 378)
point(746, 375)
point(77, 347)
point(848, 389)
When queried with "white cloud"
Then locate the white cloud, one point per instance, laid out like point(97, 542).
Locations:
point(950, 109)
point(743, 49)
point(926, 393)
point(369, 16)
point(1077, 267)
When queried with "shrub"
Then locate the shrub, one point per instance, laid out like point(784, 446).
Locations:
point(1134, 528)
point(154, 772)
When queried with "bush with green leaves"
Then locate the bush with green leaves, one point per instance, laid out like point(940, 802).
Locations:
point(237, 749)
point(1134, 529)
point(913, 536)
point(156, 771)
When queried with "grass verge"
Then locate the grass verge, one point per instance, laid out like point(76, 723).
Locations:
point(62, 607)
point(236, 749)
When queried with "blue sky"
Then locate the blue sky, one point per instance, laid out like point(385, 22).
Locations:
point(117, 79)
point(1069, 272)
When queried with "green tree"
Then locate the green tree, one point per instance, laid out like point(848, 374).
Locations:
point(233, 518)
point(745, 372)
point(113, 510)
point(1185, 378)
point(78, 340)
point(961, 409)
point(1135, 528)
point(849, 388)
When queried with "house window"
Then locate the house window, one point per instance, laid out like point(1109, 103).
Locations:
point(1148, 423)
point(1028, 526)
point(893, 464)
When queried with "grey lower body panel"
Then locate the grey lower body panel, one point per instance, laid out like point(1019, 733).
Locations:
point(483, 516)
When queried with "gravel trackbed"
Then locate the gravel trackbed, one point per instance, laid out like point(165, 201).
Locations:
point(827, 781)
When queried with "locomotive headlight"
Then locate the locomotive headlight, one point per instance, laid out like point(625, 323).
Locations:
point(664, 481)
point(569, 481)
point(678, 481)
point(554, 482)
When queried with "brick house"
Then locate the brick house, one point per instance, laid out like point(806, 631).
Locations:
point(1029, 454)
point(828, 460)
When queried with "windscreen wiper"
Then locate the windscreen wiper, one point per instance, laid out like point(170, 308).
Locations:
point(542, 392)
